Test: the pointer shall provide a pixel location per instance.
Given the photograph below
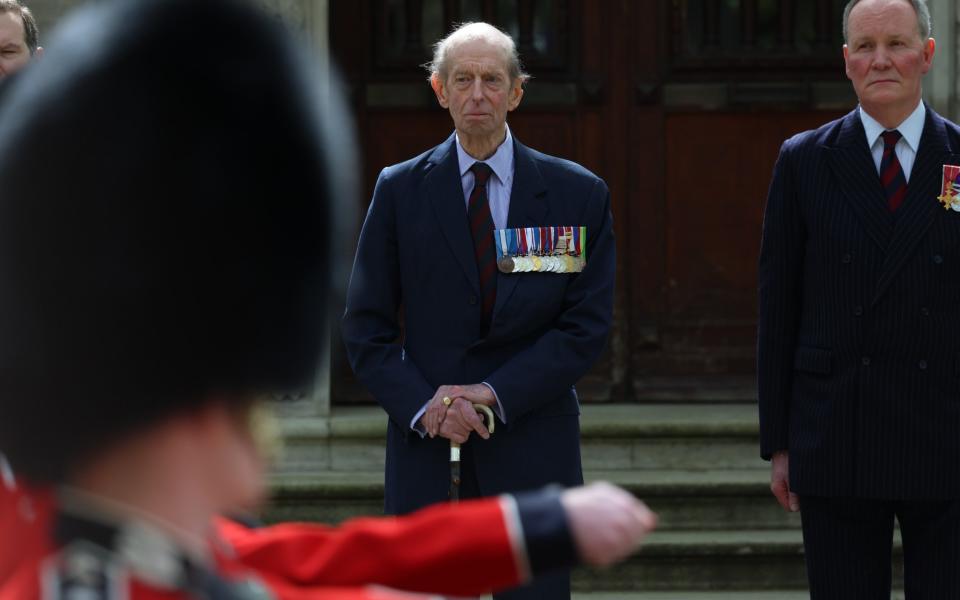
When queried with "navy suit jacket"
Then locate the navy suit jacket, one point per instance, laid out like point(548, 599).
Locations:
point(859, 329)
point(415, 256)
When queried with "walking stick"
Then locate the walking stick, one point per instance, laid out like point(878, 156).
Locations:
point(483, 411)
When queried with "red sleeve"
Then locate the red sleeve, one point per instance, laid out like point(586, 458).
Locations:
point(464, 550)
point(25, 515)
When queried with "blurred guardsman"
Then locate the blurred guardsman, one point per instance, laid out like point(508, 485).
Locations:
point(19, 37)
point(502, 259)
point(165, 240)
point(859, 333)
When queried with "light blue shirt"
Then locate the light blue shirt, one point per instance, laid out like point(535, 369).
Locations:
point(911, 130)
point(498, 186)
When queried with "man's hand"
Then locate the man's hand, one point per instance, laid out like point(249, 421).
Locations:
point(780, 482)
point(607, 522)
point(461, 420)
point(478, 394)
point(437, 410)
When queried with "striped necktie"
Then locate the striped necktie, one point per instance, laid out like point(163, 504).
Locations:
point(481, 229)
point(891, 172)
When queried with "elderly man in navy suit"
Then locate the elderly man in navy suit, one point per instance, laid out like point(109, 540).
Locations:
point(859, 331)
point(502, 260)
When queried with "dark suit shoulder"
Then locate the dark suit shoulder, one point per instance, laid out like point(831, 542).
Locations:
point(826, 134)
point(953, 132)
point(553, 166)
point(418, 164)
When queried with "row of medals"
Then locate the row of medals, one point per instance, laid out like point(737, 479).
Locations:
point(552, 263)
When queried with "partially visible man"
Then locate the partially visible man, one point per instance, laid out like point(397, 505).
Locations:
point(19, 37)
point(859, 332)
point(502, 259)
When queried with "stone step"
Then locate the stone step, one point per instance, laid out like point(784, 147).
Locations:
point(684, 500)
point(698, 388)
point(709, 595)
point(711, 561)
point(613, 436)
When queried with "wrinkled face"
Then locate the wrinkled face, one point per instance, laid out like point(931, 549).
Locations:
point(13, 46)
point(885, 56)
point(478, 91)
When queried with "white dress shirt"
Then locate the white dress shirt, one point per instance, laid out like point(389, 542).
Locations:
point(911, 129)
point(498, 186)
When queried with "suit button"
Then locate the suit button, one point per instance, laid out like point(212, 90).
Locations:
point(865, 361)
point(473, 300)
point(858, 311)
point(923, 365)
point(925, 311)
point(937, 259)
point(846, 259)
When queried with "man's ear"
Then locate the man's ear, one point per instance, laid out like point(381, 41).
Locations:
point(929, 48)
point(516, 94)
point(38, 52)
point(440, 90)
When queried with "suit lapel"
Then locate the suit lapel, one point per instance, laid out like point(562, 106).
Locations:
point(920, 207)
point(445, 191)
point(856, 176)
point(528, 207)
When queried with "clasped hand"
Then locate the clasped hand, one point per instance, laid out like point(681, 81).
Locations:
point(457, 421)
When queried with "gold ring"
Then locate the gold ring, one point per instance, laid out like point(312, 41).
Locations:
point(447, 401)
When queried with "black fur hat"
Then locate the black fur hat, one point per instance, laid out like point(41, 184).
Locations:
point(166, 214)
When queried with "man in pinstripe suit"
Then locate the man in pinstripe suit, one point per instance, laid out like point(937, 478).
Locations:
point(859, 328)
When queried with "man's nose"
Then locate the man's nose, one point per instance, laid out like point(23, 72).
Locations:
point(881, 59)
point(476, 90)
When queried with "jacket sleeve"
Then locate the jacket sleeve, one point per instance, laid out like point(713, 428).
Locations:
point(562, 355)
point(466, 549)
point(780, 295)
point(371, 327)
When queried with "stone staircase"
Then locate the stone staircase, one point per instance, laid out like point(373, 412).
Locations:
point(721, 534)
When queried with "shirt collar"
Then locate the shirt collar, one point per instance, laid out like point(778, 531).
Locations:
point(911, 129)
point(501, 162)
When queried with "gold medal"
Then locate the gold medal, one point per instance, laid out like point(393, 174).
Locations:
point(537, 263)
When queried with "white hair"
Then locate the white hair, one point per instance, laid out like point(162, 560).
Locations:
point(924, 24)
point(468, 32)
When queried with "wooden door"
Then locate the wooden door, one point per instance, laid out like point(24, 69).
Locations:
point(719, 85)
point(680, 105)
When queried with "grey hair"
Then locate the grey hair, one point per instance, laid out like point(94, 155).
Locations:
point(472, 31)
point(31, 34)
point(924, 24)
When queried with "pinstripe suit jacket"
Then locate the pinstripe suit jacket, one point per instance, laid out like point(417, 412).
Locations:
point(859, 325)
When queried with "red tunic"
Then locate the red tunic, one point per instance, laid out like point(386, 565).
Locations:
point(466, 550)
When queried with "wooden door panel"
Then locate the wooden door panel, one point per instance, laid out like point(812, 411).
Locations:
point(717, 174)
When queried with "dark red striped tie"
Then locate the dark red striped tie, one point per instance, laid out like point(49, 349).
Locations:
point(481, 229)
point(891, 172)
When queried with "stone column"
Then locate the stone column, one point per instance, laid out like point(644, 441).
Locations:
point(956, 69)
point(940, 88)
